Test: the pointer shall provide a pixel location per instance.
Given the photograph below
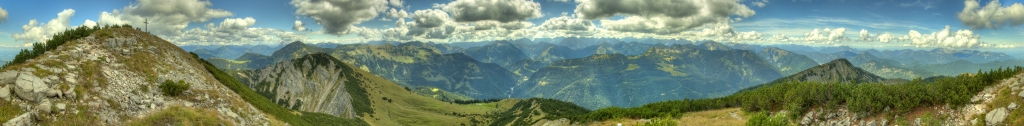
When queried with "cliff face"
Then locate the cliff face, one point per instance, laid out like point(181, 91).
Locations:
point(313, 83)
point(112, 77)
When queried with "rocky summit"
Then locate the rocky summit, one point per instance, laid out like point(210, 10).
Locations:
point(112, 77)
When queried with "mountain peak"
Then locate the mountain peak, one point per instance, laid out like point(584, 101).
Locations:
point(836, 70)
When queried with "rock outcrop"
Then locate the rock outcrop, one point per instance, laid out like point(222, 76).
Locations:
point(314, 83)
point(114, 79)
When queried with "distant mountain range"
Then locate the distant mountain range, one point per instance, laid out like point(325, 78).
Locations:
point(418, 64)
point(661, 73)
point(605, 73)
point(788, 62)
point(230, 51)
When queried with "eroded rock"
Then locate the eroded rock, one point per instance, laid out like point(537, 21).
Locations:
point(25, 119)
point(29, 87)
point(995, 116)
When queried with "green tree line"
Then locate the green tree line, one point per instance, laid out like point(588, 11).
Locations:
point(797, 97)
point(38, 48)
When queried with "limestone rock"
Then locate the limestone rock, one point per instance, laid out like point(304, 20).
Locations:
point(25, 119)
point(1021, 94)
point(5, 93)
point(30, 87)
point(996, 116)
point(61, 107)
point(1012, 106)
point(8, 77)
point(52, 93)
point(45, 107)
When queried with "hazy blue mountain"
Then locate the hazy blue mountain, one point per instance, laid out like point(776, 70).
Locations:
point(661, 73)
point(501, 52)
point(414, 64)
point(787, 62)
point(940, 56)
point(963, 66)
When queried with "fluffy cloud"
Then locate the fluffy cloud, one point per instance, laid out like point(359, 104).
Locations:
point(827, 36)
point(396, 3)
point(760, 3)
point(337, 16)
point(3, 15)
point(944, 38)
point(491, 25)
point(724, 32)
point(397, 13)
point(993, 15)
point(234, 25)
point(234, 31)
point(430, 18)
point(299, 26)
point(865, 36)
point(661, 16)
point(89, 23)
point(166, 17)
point(494, 10)
point(36, 32)
point(886, 38)
point(569, 25)
point(657, 25)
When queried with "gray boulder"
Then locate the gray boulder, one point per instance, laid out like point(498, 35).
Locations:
point(996, 116)
point(45, 107)
point(52, 93)
point(61, 107)
point(1021, 94)
point(8, 77)
point(1012, 106)
point(5, 93)
point(30, 87)
point(25, 119)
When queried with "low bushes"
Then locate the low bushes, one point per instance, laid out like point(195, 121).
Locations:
point(171, 88)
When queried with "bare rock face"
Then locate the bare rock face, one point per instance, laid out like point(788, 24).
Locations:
point(996, 116)
point(8, 77)
point(5, 93)
point(311, 83)
point(29, 87)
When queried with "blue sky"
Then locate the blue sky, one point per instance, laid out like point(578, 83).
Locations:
point(888, 23)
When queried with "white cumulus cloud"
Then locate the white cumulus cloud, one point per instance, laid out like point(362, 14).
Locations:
point(299, 26)
point(397, 13)
point(569, 25)
point(661, 16)
point(166, 17)
point(430, 18)
point(337, 16)
point(827, 36)
point(89, 23)
point(494, 10)
point(993, 15)
point(36, 32)
point(3, 15)
point(234, 31)
point(395, 3)
point(886, 38)
point(944, 38)
point(865, 36)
